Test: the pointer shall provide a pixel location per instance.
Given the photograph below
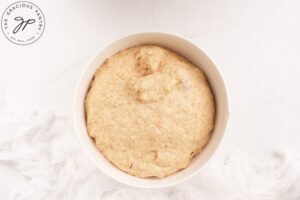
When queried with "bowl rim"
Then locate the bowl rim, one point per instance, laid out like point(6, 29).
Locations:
point(75, 116)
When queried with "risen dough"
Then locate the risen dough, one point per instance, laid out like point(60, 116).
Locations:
point(150, 111)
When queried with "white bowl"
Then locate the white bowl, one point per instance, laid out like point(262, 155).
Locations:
point(196, 56)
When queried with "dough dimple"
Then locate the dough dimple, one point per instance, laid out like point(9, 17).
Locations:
point(150, 111)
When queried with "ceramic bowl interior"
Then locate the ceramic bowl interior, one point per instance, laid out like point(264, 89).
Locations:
point(196, 56)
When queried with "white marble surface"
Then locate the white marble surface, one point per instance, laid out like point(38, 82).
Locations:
point(255, 44)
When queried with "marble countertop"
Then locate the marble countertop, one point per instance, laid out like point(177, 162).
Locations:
point(255, 44)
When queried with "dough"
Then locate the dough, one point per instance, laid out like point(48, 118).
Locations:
point(149, 111)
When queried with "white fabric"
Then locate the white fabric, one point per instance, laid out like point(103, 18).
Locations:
point(44, 149)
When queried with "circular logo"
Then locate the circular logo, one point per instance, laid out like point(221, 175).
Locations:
point(23, 23)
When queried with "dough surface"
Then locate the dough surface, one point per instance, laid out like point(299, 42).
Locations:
point(149, 111)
